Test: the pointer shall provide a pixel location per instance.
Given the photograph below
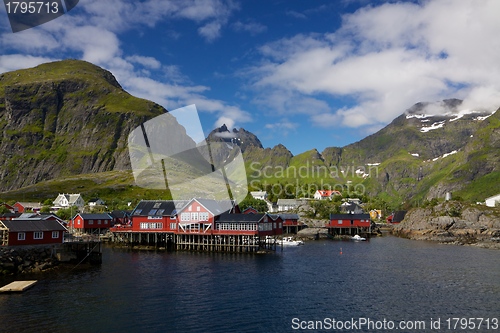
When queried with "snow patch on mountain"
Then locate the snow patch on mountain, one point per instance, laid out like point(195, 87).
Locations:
point(434, 126)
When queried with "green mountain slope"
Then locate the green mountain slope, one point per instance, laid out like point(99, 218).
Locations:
point(65, 118)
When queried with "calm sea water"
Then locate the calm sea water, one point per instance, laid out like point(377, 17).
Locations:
point(386, 278)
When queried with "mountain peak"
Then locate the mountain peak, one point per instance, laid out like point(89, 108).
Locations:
point(240, 137)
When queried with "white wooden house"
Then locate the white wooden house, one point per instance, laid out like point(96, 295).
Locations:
point(67, 200)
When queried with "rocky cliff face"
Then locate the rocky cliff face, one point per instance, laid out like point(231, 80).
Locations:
point(452, 222)
point(65, 118)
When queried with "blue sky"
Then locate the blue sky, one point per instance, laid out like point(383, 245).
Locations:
point(307, 74)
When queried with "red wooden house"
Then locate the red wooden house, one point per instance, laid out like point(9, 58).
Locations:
point(31, 232)
point(198, 215)
point(250, 210)
point(154, 216)
point(259, 224)
point(121, 217)
point(291, 223)
point(23, 207)
point(349, 223)
point(91, 223)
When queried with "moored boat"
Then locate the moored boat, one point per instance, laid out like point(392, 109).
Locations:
point(288, 241)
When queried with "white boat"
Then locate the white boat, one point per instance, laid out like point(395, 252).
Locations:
point(288, 241)
point(358, 238)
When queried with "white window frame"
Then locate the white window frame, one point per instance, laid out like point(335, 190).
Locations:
point(55, 234)
point(38, 235)
point(185, 217)
point(21, 236)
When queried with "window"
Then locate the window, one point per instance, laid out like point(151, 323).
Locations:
point(91, 221)
point(185, 217)
point(137, 212)
point(204, 216)
point(157, 205)
point(55, 234)
point(194, 216)
point(21, 236)
point(173, 226)
point(38, 235)
point(339, 221)
point(152, 211)
point(98, 221)
point(198, 208)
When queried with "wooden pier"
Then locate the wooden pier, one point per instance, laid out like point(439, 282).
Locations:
point(199, 242)
point(81, 250)
point(17, 286)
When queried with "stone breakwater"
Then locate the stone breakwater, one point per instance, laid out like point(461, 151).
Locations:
point(452, 222)
point(21, 260)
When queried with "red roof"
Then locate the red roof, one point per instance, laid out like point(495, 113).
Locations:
point(328, 193)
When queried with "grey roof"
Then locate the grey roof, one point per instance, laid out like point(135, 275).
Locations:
point(100, 216)
point(289, 216)
point(217, 207)
point(158, 208)
point(33, 225)
point(243, 218)
point(118, 214)
point(349, 216)
point(9, 215)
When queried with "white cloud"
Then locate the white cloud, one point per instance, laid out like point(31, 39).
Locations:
point(387, 58)
point(13, 62)
point(252, 27)
point(210, 31)
point(287, 125)
point(97, 45)
point(148, 62)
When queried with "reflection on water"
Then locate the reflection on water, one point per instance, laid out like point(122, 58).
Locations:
point(387, 277)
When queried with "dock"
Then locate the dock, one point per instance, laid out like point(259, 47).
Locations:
point(17, 286)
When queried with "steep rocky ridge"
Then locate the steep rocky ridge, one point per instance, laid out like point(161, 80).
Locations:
point(64, 118)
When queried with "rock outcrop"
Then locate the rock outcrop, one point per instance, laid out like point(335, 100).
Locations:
point(452, 222)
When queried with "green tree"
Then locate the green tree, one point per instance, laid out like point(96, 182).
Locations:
point(4, 210)
point(67, 213)
point(45, 209)
point(249, 201)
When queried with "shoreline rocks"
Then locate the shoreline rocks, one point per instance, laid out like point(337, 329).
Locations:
point(452, 222)
point(22, 260)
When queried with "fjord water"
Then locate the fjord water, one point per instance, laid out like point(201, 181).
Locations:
point(384, 278)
